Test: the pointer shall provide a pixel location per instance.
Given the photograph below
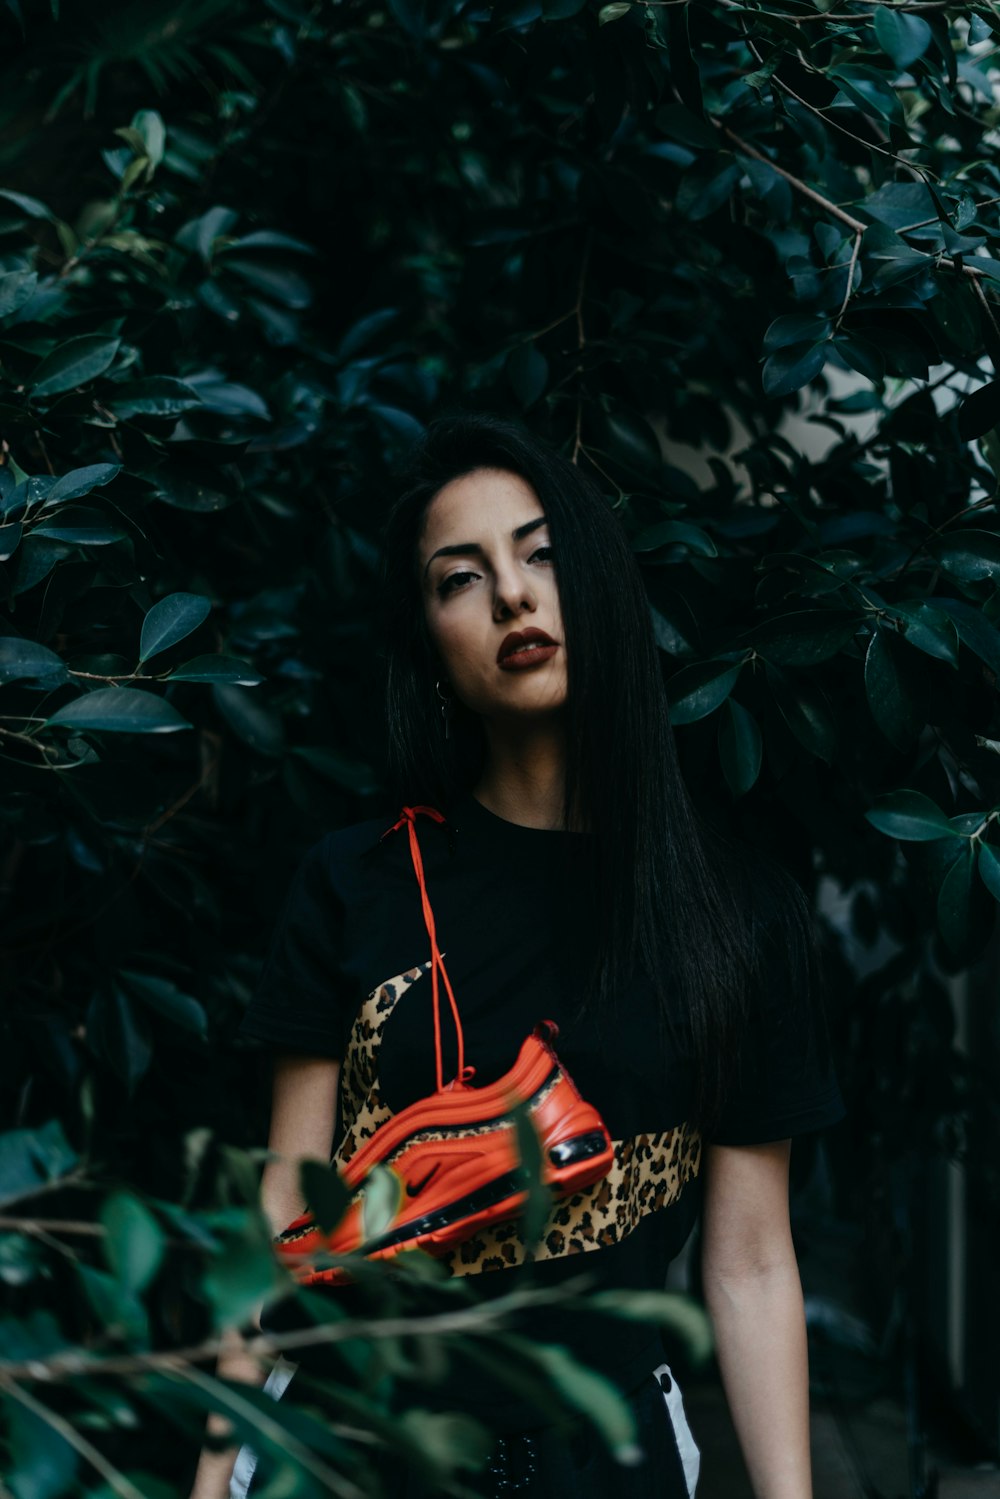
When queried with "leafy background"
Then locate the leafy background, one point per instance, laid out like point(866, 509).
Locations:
point(740, 262)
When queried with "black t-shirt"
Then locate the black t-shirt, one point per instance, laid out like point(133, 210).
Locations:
point(347, 976)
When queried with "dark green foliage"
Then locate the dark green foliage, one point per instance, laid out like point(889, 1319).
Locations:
point(742, 263)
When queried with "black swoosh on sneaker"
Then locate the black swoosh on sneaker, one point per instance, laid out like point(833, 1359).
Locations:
point(413, 1189)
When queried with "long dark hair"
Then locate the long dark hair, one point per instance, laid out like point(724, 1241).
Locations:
point(669, 893)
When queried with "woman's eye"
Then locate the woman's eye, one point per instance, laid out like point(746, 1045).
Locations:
point(545, 551)
point(453, 581)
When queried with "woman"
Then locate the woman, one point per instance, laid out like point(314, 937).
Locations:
point(571, 880)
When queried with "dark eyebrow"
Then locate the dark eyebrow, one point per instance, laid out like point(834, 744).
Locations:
point(467, 548)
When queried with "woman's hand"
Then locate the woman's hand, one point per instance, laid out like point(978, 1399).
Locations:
point(303, 1112)
point(754, 1296)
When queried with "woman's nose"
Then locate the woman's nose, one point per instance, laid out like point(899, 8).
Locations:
point(512, 595)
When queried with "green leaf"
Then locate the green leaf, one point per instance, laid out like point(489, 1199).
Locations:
point(902, 36)
point(80, 481)
point(675, 533)
point(862, 355)
point(788, 369)
point(528, 372)
point(695, 691)
point(380, 1202)
point(170, 620)
point(805, 711)
point(989, 868)
point(31, 206)
point(446, 1440)
point(632, 442)
point(231, 399)
point(10, 540)
point(979, 412)
point(969, 555)
point(41, 1464)
point(267, 240)
point(325, 1192)
point(34, 1334)
point(187, 489)
point(30, 1158)
point(201, 234)
point(278, 283)
point(910, 816)
point(81, 526)
point(244, 1273)
point(928, 629)
point(706, 186)
point(796, 328)
point(16, 288)
point(888, 696)
point(217, 668)
point(74, 363)
point(149, 126)
point(161, 995)
point(890, 259)
point(120, 1311)
point(954, 903)
point(539, 1199)
point(157, 395)
point(26, 660)
point(120, 710)
point(117, 1035)
point(974, 630)
point(806, 636)
point(869, 89)
point(258, 726)
point(135, 1243)
point(740, 747)
point(613, 12)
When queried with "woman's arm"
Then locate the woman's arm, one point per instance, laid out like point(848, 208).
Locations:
point(303, 1110)
point(754, 1296)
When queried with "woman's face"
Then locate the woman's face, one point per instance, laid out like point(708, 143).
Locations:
point(487, 573)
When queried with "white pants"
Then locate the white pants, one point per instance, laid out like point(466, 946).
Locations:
point(246, 1459)
point(686, 1445)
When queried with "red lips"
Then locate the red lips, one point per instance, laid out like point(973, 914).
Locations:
point(518, 638)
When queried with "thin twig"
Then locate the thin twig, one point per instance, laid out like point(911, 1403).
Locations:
point(467, 1319)
point(987, 309)
point(850, 278)
point(802, 187)
point(581, 340)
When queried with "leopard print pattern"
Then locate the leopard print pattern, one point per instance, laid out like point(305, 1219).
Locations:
point(359, 1069)
point(648, 1173)
point(362, 1108)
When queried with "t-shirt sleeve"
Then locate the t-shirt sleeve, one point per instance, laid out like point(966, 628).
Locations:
point(300, 1001)
point(785, 1083)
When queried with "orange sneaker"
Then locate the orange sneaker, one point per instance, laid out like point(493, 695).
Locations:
point(456, 1156)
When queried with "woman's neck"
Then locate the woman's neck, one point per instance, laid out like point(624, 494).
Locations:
point(524, 777)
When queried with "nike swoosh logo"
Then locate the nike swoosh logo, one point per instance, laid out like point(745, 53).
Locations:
point(413, 1189)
